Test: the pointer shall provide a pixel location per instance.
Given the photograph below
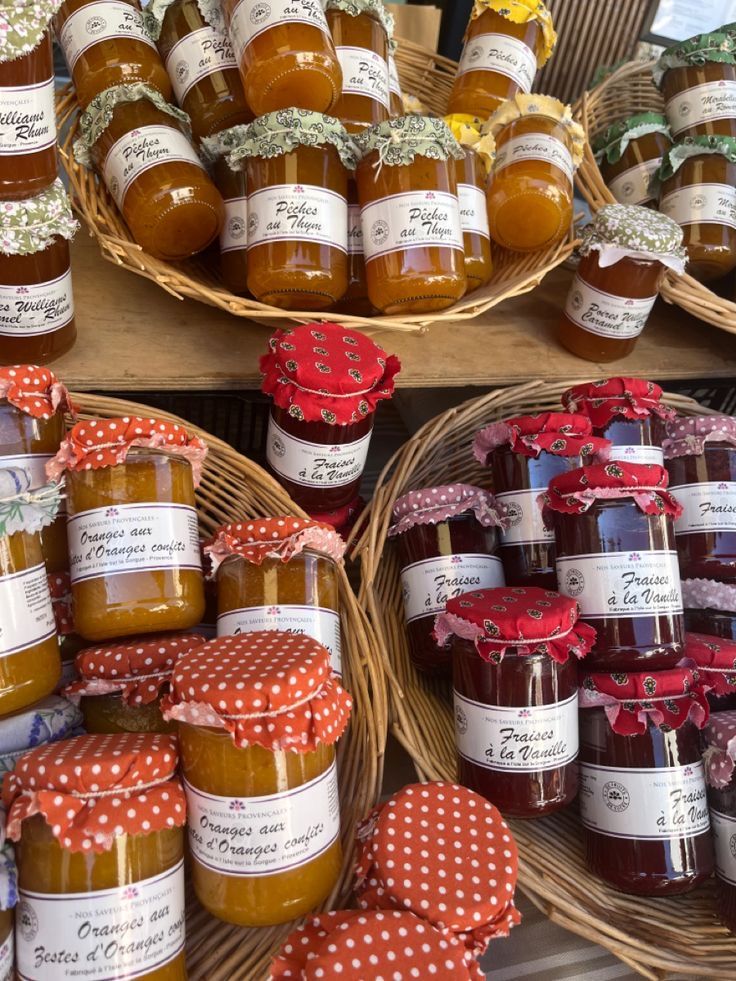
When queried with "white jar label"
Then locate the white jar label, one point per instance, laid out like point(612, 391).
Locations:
point(708, 507)
point(101, 21)
point(298, 213)
point(364, 73)
point(355, 230)
point(251, 18)
point(607, 315)
point(315, 621)
point(632, 187)
point(701, 104)
point(701, 204)
point(27, 118)
point(394, 83)
point(429, 585)
point(139, 151)
point(724, 841)
point(517, 739)
point(638, 454)
point(196, 56)
point(315, 464)
point(501, 54)
point(535, 146)
point(264, 835)
point(412, 220)
point(41, 308)
point(622, 584)
point(525, 518)
point(106, 935)
point(7, 958)
point(653, 803)
point(28, 617)
point(234, 234)
point(132, 538)
point(473, 210)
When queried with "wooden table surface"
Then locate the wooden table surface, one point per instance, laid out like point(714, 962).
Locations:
point(134, 336)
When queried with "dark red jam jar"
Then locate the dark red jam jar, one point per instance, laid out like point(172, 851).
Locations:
point(701, 459)
point(516, 695)
point(326, 381)
point(616, 556)
point(524, 454)
point(710, 607)
point(642, 784)
point(448, 545)
point(715, 660)
point(720, 738)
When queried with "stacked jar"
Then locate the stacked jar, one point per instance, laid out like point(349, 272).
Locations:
point(629, 154)
point(231, 185)
point(719, 757)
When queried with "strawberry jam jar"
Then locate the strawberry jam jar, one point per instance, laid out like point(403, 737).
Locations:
point(715, 660)
point(720, 753)
point(515, 683)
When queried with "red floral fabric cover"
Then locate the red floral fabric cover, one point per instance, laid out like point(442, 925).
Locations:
point(435, 504)
point(720, 754)
point(273, 538)
point(666, 699)
point(617, 398)
point(35, 391)
point(559, 433)
point(327, 373)
point(60, 587)
point(715, 659)
point(687, 435)
point(576, 491)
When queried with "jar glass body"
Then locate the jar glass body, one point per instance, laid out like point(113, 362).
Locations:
point(609, 766)
point(234, 234)
point(7, 941)
point(700, 100)
point(355, 300)
point(717, 623)
point(634, 440)
point(394, 85)
point(629, 178)
point(722, 803)
point(471, 191)
point(361, 44)
point(109, 713)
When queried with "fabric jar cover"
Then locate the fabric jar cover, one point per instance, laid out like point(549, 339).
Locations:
point(397, 142)
point(521, 12)
point(559, 433)
point(273, 538)
point(23, 25)
point(617, 398)
point(73, 785)
point(630, 231)
point(467, 130)
point(23, 509)
point(529, 619)
point(612, 144)
point(576, 491)
point(30, 225)
point(715, 660)
point(268, 688)
point(327, 373)
point(8, 878)
point(435, 504)
point(283, 131)
point(720, 753)
point(688, 435)
point(707, 594)
point(60, 587)
point(48, 721)
point(717, 46)
point(35, 391)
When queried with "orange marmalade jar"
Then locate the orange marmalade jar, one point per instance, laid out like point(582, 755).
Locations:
point(285, 53)
point(97, 822)
point(134, 554)
point(355, 300)
point(630, 153)
point(472, 179)
point(231, 185)
point(506, 42)
point(259, 716)
point(412, 236)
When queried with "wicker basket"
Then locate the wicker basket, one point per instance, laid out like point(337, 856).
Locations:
point(232, 488)
point(627, 91)
point(424, 74)
point(657, 938)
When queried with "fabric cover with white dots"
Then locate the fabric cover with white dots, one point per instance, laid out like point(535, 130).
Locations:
point(273, 538)
point(720, 754)
point(35, 391)
point(687, 436)
point(431, 505)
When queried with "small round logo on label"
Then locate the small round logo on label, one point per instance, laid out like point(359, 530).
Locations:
point(474, 54)
point(574, 582)
point(236, 227)
point(181, 70)
point(114, 186)
point(95, 25)
point(278, 447)
point(260, 13)
point(461, 720)
point(627, 190)
point(697, 202)
point(379, 232)
point(685, 109)
point(26, 920)
point(253, 223)
point(732, 845)
point(576, 300)
point(616, 796)
point(515, 513)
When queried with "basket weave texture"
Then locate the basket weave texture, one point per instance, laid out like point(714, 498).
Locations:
point(233, 488)
point(657, 938)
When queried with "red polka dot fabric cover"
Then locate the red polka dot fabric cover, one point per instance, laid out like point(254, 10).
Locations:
point(96, 443)
point(715, 659)
point(268, 688)
point(60, 587)
point(665, 699)
point(435, 504)
point(617, 398)
point(273, 538)
point(720, 753)
point(35, 391)
point(93, 788)
point(138, 669)
point(576, 491)
point(559, 433)
point(707, 594)
point(527, 619)
point(688, 435)
point(444, 853)
point(327, 373)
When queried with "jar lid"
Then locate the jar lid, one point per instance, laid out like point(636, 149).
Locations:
point(527, 618)
point(8, 878)
point(694, 146)
point(220, 144)
point(715, 659)
point(268, 688)
point(23, 509)
point(303, 943)
point(92, 789)
point(617, 398)
point(23, 25)
point(285, 130)
point(467, 130)
point(374, 8)
point(707, 594)
point(614, 142)
point(666, 699)
point(688, 435)
point(138, 668)
point(398, 141)
point(434, 504)
point(48, 721)
point(522, 105)
point(455, 867)
point(96, 443)
point(702, 49)
point(629, 231)
point(327, 373)
point(720, 754)
point(273, 538)
point(35, 391)
point(31, 225)
point(521, 12)
point(558, 433)
point(576, 491)
point(154, 13)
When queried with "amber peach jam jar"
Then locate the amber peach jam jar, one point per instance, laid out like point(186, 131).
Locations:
point(719, 756)
point(134, 553)
point(259, 716)
point(447, 539)
point(700, 454)
point(642, 785)
point(326, 381)
point(8, 900)
point(48, 721)
point(98, 826)
point(231, 185)
point(140, 146)
point(629, 153)
point(697, 79)
point(412, 235)
point(524, 454)
point(616, 556)
point(472, 178)
point(710, 607)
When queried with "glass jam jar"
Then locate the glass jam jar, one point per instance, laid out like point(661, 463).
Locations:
point(97, 822)
point(285, 54)
point(524, 454)
point(361, 30)
point(105, 44)
point(8, 900)
point(629, 154)
point(70, 643)
point(697, 79)
point(355, 300)
point(248, 764)
point(448, 545)
point(515, 690)
point(625, 253)
point(134, 553)
point(701, 460)
point(715, 660)
point(412, 235)
point(326, 381)
point(231, 185)
point(47, 721)
point(721, 786)
point(472, 179)
point(642, 785)
point(505, 44)
point(616, 556)
point(710, 607)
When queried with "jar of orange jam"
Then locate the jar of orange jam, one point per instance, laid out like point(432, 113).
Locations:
point(506, 42)
point(629, 154)
point(355, 300)
point(231, 185)
point(396, 97)
point(70, 643)
point(134, 554)
point(259, 716)
point(412, 236)
point(97, 822)
point(472, 179)
point(48, 721)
